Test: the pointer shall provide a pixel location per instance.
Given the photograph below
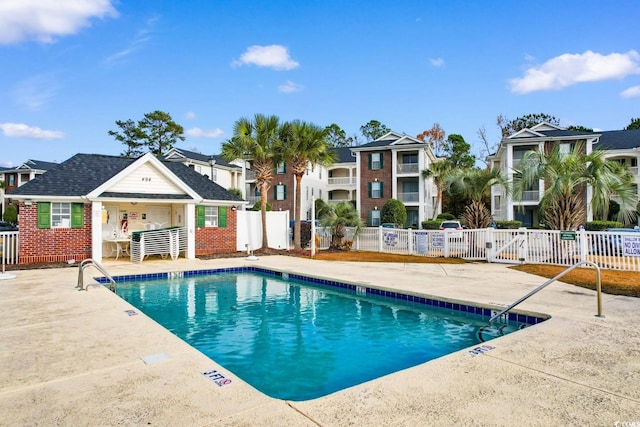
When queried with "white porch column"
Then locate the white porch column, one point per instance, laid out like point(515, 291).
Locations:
point(509, 199)
point(190, 224)
point(96, 231)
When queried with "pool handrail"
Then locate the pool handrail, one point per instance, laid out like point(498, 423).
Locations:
point(91, 262)
point(553, 279)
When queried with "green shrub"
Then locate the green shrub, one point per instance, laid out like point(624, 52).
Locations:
point(256, 206)
point(432, 224)
point(394, 212)
point(508, 225)
point(602, 225)
point(11, 214)
point(445, 216)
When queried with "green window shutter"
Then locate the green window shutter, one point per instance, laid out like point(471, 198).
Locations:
point(222, 216)
point(381, 160)
point(77, 215)
point(200, 216)
point(369, 188)
point(275, 192)
point(381, 189)
point(44, 215)
point(284, 168)
point(370, 160)
point(284, 192)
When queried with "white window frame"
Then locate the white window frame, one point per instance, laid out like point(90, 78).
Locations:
point(375, 218)
point(280, 169)
point(376, 190)
point(60, 215)
point(211, 216)
point(376, 164)
point(280, 191)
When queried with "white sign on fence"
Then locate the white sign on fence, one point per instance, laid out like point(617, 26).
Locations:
point(437, 240)
point(631, 245)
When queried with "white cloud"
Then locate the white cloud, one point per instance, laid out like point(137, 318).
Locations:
point(20, 130)
point(34, 92)
point(201, 133)
point(272, 56)
point(45, 20)
point(569, 69)
point(632, 92)
point(290, 87)
point(141, 37)
point(438, 62)
point(189, 115)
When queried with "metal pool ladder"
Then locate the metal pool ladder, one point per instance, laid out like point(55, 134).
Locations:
point(553, 279)
point(90, 262)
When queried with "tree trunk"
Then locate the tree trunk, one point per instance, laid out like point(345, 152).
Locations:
point(298, 208)
point(263, 214)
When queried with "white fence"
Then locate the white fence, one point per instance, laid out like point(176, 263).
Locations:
point(610, 250)
point(9, 246)
point(249, 230)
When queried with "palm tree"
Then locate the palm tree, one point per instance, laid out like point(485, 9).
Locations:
point(476, 185)
point(258, 140)
point(342, 215)
point(303, 144)
point(567, 176)
point(438, 171)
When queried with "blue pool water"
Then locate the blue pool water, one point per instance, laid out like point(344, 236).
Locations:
point(296, 341)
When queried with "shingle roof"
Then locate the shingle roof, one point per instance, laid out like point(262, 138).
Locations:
point(563, 132)
point(619, 139)
point(343, 155)
point(205, 158)
point(83, 173)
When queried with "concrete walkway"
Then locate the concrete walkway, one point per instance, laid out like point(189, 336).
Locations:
point(71, 357)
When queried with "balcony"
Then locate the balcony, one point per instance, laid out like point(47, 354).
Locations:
point(633, 170)
point(409, 197)
point(342, 181)
point(250, 175)
point(531, 196)
point(408, 168)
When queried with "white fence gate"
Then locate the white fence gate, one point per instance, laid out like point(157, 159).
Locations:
point(249, 230)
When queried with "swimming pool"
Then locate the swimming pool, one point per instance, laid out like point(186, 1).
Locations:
point(297, 338)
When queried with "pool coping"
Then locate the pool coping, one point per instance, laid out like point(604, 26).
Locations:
point(75, 357)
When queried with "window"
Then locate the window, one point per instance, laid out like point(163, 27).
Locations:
point(375, 161)
point(211, 216)
point(410, 158)
point(12, 180)
point(280, 192)
point(320, 173)
point(320, 193)
point(214, 174)
point(374, 218)
point(60, 215)
point(375, 190)
point(307, 193)
point(281, 168)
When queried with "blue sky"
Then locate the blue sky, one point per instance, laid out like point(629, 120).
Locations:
point(71, 69)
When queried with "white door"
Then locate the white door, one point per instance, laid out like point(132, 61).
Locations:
point(158, 216)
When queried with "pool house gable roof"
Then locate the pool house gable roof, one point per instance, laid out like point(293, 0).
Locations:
point(186, 156)
point(145, 176)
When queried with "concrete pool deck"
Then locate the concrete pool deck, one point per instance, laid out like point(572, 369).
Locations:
point(70, 357)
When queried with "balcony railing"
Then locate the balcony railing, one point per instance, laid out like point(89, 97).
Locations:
point(409, 197)
point(633, 170)
point(250, 175)
point(342, 181)
point(408, 168)
point(531, 196)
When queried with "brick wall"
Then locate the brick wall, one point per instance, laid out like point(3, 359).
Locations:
point(287, 204)
point(217, 240)
point(366, 176)
point(52, 244)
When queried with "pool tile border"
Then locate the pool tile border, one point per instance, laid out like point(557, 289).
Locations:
point(358, 289)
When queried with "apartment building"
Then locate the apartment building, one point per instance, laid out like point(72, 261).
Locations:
point(391, 167)
point(622, 146)
point(15, 177)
